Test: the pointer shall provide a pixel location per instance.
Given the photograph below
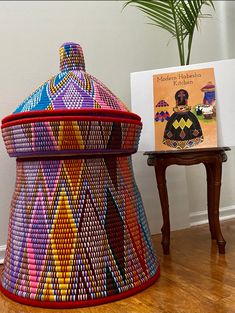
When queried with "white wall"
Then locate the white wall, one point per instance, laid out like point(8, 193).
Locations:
point(219, 45)
point(115, 44)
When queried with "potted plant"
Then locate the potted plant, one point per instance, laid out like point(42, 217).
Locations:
point(179, 17)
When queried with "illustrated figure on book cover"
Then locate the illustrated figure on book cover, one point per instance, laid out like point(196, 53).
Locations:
point(183, 129)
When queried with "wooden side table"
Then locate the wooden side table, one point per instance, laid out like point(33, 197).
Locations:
point(212, 158)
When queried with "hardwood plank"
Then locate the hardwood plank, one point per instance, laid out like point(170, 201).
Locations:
point(194, 279)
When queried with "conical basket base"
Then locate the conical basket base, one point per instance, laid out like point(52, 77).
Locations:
point(78, 234)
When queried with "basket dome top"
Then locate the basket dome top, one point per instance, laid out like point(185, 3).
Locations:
point(72, 89)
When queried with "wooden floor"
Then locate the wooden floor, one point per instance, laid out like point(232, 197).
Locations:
point(194, 278)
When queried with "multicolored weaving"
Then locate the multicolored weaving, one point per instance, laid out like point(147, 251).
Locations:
point(73, 88)
point(78, 234)
point(63, 136)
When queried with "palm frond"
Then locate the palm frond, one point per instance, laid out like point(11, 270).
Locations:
point(178, 17)
point(189, 13)
point(158, 12)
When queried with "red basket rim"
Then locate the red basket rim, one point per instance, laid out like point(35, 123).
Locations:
point(75, 112)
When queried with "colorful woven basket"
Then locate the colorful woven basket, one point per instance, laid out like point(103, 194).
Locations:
point(78, 234)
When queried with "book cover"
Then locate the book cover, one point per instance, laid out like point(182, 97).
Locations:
point(185, 110)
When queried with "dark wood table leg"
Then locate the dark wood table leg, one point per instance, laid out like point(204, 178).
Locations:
point(214, 171)
point(209, 199)
point(160, 171)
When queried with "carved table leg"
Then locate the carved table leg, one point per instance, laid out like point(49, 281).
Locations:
point(209, 200)
point(160, 171)
point(214, 171)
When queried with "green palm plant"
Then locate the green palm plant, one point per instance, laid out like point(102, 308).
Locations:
point(179, 17)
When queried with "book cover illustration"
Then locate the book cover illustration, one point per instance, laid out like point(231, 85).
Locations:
point(185, 110)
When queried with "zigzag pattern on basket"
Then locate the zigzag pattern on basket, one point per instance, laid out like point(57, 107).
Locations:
point(77, 231)
point(72, 89)
point(52, 136)
point(78, 234)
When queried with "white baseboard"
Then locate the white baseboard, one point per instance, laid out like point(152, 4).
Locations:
point(2, 253)
point(201, 217)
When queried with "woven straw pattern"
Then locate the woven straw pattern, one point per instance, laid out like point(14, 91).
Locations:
point(77, 231)
point(58, 136)
point(71, 57)
point(73, 88)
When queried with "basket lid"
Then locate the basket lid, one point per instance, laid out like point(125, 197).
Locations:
point(72, 88)
point(71, 113)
